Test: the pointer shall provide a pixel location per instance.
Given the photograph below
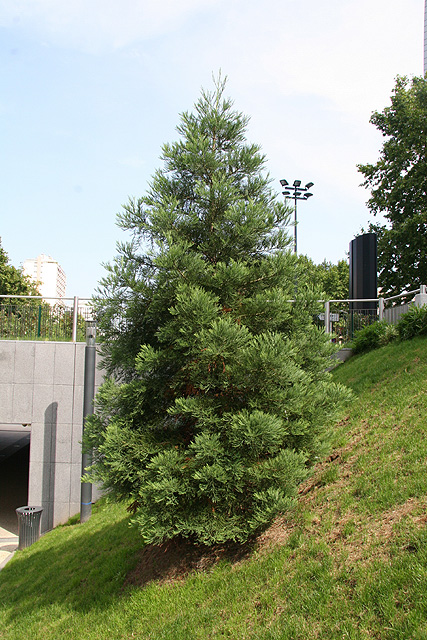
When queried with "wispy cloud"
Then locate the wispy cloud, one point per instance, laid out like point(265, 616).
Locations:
point(99, 25)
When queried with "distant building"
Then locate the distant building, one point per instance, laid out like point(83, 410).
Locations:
point(48, 274)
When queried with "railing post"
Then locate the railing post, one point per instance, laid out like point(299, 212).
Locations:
point(75, 318)
point(327, 317)
point(381, 309)
point(39, 322)
point(420, 299)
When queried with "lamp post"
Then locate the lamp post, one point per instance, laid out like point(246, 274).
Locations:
point(297, 192)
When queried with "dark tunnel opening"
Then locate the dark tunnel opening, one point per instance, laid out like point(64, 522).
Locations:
point(14, 475)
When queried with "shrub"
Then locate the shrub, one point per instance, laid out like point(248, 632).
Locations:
point(413, 323)
point(373, 336)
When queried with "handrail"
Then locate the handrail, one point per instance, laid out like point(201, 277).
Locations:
point(401, 295)
point(75, 307)
point(10, 295)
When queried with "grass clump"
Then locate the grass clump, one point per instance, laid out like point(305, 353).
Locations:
point(349, 562)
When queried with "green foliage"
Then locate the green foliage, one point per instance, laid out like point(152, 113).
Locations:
point(398, 183)
point(373, 336)
point(413, 323)
point(331, 279)
point(224, 398)
point(12, 281)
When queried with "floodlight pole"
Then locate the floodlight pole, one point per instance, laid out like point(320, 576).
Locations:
point(299, 193)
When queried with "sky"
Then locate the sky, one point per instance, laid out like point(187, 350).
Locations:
point(91, 89)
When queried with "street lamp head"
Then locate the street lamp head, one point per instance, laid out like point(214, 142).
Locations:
point(309, 185)
point(286, 193)
point(308, 195)
point(284, 182)
point(297, 183)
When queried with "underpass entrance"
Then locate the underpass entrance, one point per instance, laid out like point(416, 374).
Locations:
point(14, 472)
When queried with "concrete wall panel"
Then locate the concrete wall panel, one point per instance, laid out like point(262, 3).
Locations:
point(6, 400)
point(76, 446)
point(63, 395)
point(41, 383)
point(79, 368)
point(22, 403)
point(7, 359)
point(64, 442)
point(64, 363)
point(62, 482)
point(24, 362)
point(42, 398)
point(44, 363)
point(37, 442)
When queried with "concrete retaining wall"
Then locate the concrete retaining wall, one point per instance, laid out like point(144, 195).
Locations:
point(41, 384)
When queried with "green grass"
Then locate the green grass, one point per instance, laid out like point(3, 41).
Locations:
point(350, 562)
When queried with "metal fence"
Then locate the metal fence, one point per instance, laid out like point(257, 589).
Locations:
point(37, 318)
point(342, 318)
point(64, 319)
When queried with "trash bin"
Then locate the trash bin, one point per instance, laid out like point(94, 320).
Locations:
point(28, 525)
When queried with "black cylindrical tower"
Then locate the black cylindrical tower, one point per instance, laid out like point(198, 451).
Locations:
point(363, 270)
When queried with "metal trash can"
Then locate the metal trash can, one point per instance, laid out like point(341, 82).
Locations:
point(28, 525)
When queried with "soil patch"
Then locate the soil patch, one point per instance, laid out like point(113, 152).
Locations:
point(174, 560)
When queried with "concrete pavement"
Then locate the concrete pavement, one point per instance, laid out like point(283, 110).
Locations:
point(8, 546)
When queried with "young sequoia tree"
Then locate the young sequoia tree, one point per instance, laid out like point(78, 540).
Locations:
point(223, 398)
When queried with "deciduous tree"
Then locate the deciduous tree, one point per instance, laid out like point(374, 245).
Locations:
point(398, 183)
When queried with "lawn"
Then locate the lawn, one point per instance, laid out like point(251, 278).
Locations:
point(349, 562)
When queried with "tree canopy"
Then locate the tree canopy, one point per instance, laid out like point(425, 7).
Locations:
point(221, 398)
point(331, 279)
point(398, 183)
point(12, 280)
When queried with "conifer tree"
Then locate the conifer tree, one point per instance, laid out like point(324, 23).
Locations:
point(221, 399)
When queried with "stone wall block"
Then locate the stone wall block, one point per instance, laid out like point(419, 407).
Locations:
point(24, 362)
point(6, 397)
point(22, 403)
point(64, 442)
point(44, 363)
point(7, 360)
point(64, 363)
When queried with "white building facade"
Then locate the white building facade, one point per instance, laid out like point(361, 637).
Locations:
point(48, 274)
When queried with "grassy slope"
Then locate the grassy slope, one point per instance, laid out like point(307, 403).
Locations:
point(351, 563)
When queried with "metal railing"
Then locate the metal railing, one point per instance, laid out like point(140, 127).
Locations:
point(41, 318)
point(343, 318)
point(64, 319)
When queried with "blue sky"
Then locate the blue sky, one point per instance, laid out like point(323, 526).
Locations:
point(91, 89)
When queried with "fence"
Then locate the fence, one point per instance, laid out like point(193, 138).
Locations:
point(343, 318)
point(37, 318)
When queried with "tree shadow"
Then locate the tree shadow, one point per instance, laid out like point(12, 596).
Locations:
point(87, 571)
point(174, 560)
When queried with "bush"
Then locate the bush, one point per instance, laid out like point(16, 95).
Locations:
point(413, 323)
point(373, 336)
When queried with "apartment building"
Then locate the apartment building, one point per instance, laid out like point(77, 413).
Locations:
point(48, 274)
